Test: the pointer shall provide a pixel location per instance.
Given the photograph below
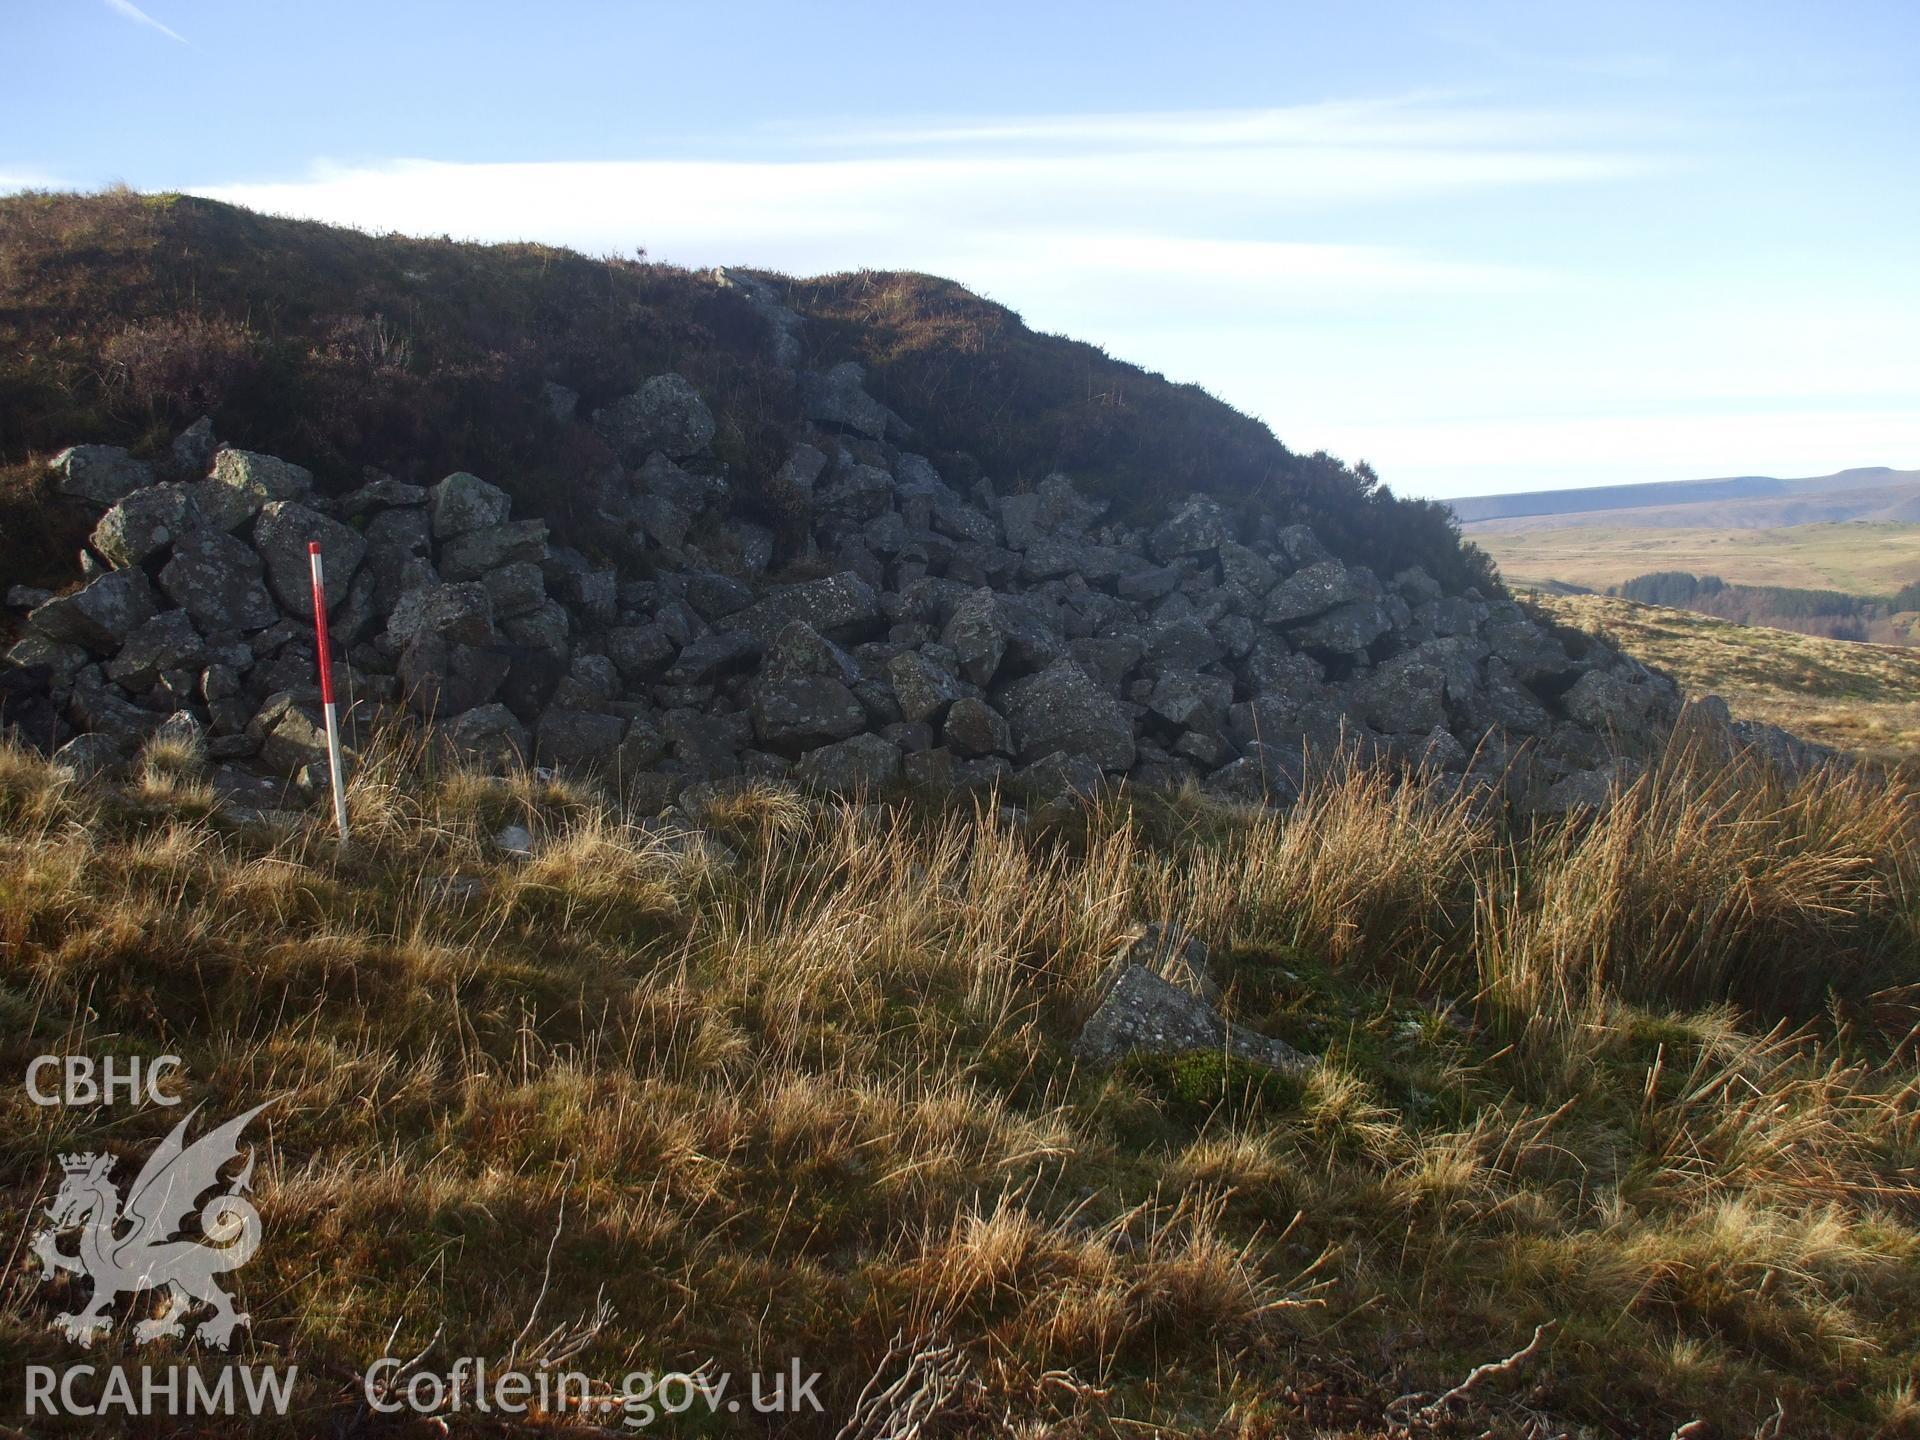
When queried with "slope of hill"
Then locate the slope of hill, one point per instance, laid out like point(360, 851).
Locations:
point(125, 316)
point(754, 564)
point(1891, 503)
point(1854, 697)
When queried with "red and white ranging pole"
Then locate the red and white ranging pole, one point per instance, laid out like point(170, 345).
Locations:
point(325, 649)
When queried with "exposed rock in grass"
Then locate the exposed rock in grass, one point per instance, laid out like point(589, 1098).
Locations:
point(1144, 1013)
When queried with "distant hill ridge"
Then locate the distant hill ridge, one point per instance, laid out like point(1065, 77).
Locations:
point(1666, 494)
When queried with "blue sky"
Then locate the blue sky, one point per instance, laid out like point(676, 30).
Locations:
point(1483, 246)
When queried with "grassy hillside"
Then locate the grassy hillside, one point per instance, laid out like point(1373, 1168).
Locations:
point(124, 317)
point(1861, 698)
point(1639, 1088)
point(1862, 559)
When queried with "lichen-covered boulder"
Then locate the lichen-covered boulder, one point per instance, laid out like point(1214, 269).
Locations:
point(463, 502)
point(1197, 526)
point(470, 555)
point(281, 536)
point(100, 474)
point(1144, 1012)
point(144, 524)
point(100, 615)
point(838, 397)
point(974, 729)
point(219, 581)
point(166, 642)
point(462, 613)
point(836, 605)
point(242, 481)
point(291, 732)
point(1061, 708)
point(577, 737)
point(666, 414)
point(860, 765)
point(990, 633)
point(924, 689)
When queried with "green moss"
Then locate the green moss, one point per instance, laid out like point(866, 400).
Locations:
point(1202, 1083)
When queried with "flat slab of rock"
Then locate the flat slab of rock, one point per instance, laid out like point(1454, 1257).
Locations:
point(101, 615)
point(833, 604)
point(99, 473)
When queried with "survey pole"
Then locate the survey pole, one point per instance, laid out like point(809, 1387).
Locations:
point(325, 649)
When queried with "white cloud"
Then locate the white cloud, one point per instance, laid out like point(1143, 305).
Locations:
point(1211, 174)
point(1279, 257)
point(1202, 201)
point(26, 179)
point(135, 13)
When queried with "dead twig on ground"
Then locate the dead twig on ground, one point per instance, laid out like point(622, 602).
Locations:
point(1409, 1409)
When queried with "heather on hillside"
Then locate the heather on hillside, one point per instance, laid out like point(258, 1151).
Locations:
point(124, 317)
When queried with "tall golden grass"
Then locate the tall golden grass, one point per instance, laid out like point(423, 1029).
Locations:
point(795, 1077)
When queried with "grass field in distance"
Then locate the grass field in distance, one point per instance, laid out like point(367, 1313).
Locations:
point(1861, 558)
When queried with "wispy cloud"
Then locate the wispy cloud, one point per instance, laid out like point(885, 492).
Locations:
point(1424, 120)
point(1309, 262)
point(1061, 238)
point(24, 179)
point(1213, 201)
point(135, 13)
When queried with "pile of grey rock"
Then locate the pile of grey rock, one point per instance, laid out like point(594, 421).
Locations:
point(896, 630)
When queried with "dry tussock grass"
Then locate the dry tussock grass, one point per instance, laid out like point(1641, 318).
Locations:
point(805, 1082)
point(1856, 697)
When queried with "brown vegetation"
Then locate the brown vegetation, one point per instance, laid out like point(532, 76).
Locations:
point(1864, 699)
point(803, 1085)
point(124, 317)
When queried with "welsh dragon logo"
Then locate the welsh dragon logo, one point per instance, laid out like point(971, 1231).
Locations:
point(133, 1243)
